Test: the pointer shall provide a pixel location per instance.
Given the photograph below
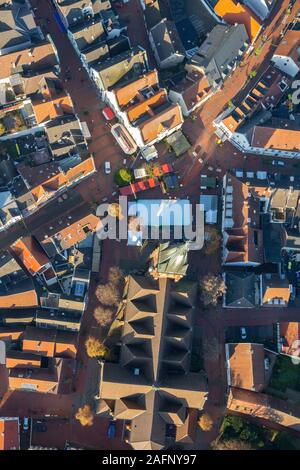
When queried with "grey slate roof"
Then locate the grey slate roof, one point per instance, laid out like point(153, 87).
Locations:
point(89, 32)
point(219, 52)
point(166, 39)
point(17, 26)
point(242, 289)
point(65, 136)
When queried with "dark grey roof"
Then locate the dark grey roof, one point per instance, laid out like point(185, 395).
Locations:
point(96, 52)
point(7, 172)
point(62, 317)
point(166, 39)
point(153, 14)
point(17, 27)
point(273, 234)
point(89, 32)
point(218, 53)
point(242, 289)
point(65, 136)
point(17, 316)
point(73, 10)
point(261, 8)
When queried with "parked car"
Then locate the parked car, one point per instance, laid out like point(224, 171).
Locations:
point(243, 333)
point(108, 113)
point(107, 168)
point(111, 431)
point(40, 427)
point(278, 162)
point(25, 424)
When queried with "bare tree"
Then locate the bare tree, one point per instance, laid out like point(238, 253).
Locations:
point(103, 316)
point(212, 288)
point(213, 240)
point(116, 277)
point(85, 415)
point(95, 348)
point(108, 294)
point(231, 444)
point(205, 422)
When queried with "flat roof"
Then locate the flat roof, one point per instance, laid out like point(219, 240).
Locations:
point(161, 212)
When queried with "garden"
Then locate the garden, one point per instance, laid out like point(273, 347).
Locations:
point(285, 375)
point(237, 433)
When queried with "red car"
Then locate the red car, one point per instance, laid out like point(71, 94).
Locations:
point(108, 113)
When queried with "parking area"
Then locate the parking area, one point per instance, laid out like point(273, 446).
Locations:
point(56, 433)
point(264, 334)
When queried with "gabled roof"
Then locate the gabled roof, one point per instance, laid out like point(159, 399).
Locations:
point(220, 50)
point(289, 45)
point(275, 290)
point(30, 254)
point(262, 406)
point(166, 39)
point(122, 68)
point(9, 434)
point(276, 138)
point(35, 59)
point(234, 12)
point(241, 222)
point(246, 365)
point(22, 360)
point(193, 89)
point(53, 379)
point(17, 28)
point(89, 32)
point(67, 229)
point(169, 118)
point(49, 342)
point(126, 93)
point(27, 298)
point(48, 178)
point(16, 287)
point(73, 10)
point(289, 335)
point(65, 136)
point(58, 105)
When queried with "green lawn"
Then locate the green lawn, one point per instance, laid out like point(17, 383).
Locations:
point(285, 375)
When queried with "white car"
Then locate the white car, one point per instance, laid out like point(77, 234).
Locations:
point(243, 333)
point(278, 162)
point(107, 168)
point(25, 424)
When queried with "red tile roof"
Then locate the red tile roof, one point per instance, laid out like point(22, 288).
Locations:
point(9, 434)
point(36, 58)
point(127, 93)
point(30, 254)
